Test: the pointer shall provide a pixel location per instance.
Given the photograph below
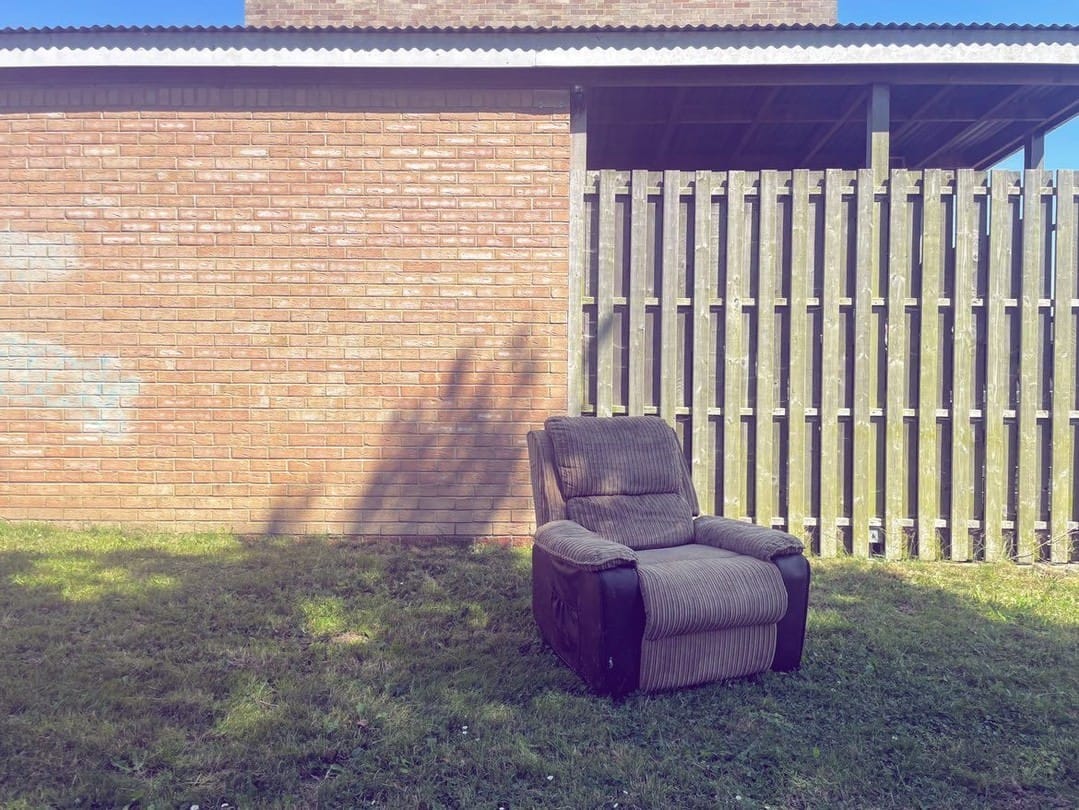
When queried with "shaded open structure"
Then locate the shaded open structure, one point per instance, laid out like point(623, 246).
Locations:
point(937, 117)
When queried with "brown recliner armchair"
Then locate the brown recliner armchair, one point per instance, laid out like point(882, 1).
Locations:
point(631, 586)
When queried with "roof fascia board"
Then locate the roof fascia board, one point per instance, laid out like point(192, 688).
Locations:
point(532, 50)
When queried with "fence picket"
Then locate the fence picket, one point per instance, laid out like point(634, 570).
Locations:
point(828, 467)
point(765, 475)
point(895, 461)
point(997, 358)
point(735, 359)
point(1029, 368)
point(638, 267)
point(929, 365)
point(704, 263)
point(669, 398)
point(797, 376)
point(578, 256)
point(1064, 345)
point(963, 348)
point(608, 268)
point(864, 479)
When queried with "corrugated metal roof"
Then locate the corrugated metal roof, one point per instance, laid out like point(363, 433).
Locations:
point(535, 48)
point(604, 29)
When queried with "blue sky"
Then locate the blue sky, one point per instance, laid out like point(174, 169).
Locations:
point(1061, 148)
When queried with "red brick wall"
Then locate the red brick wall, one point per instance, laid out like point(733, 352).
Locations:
point(280, 321)
point(547, 13)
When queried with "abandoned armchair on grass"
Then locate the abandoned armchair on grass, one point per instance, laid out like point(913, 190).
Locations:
point(632, 587)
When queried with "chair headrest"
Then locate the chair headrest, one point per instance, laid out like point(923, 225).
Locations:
point(624, 455)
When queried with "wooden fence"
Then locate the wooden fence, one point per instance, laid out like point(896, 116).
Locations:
point(881, 369)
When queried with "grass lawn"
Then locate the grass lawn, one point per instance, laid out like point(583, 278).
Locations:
point(162, 670)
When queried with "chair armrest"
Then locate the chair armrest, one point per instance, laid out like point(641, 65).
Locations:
point(584, 549)
point(593, 620)
point(745, 538)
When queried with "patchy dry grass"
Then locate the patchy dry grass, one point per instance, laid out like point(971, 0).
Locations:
point(161, 670)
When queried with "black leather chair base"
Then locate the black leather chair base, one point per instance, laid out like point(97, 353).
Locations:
point(593, 620)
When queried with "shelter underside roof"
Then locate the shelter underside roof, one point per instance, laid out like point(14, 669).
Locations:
point(783, 126)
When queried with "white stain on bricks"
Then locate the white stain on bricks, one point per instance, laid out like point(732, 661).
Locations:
point(37, 257)
point(91, 391)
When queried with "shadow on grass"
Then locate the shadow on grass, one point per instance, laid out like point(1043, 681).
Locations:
point(161, 670)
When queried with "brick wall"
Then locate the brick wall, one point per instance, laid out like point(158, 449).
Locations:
point(221, 311)
point(545, 13)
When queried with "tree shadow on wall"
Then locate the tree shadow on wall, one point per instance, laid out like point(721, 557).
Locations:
point(449, 466)
point(290, 511)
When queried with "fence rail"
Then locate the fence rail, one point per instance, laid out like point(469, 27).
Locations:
point(881, 369)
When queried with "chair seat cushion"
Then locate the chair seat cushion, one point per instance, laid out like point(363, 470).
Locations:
point(685, 552)
point(695, 589)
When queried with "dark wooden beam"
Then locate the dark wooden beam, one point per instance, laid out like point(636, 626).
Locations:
point(563, 78)
point(800, 75)
point(1034, 151)
point(878, 131)
point(730, 114)
point(1029, 113)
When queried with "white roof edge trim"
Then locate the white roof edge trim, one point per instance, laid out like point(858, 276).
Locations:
point(535, 50)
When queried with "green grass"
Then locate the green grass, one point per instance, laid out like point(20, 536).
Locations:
point(158, 670)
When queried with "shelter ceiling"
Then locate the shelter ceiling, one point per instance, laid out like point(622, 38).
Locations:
point(933, 124)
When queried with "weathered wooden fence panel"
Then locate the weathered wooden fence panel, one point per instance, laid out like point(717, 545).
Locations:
point(880, 369)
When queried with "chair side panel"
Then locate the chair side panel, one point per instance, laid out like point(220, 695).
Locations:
point(546, 494)
point(790, 633)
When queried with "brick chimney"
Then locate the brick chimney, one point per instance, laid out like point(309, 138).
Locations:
point(536, 13)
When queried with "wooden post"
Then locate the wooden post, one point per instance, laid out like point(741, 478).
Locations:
point(877, 135)
point(605, 281)
point(1034, 152)
point(578, 125)
point(638, 269)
